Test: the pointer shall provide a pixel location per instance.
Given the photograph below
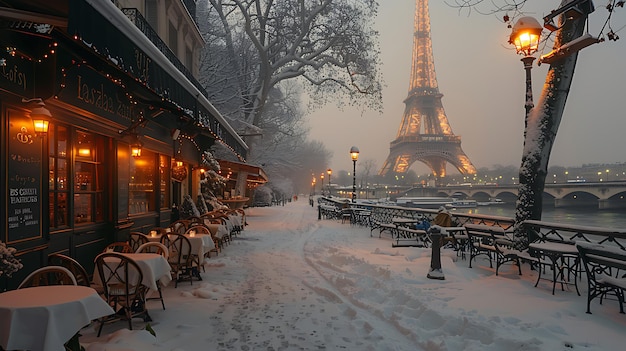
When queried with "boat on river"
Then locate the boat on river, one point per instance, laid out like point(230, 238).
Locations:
point(491, 202)
point(458, 203)
point(424, 201)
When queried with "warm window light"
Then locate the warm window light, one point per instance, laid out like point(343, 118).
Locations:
point(526, 35)
point(84, 152)
point(354, 153)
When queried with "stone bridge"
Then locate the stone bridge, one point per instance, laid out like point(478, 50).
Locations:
point(603, 195)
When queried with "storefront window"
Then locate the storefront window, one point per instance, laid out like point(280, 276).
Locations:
point(88, 178)
point(141, 186)
point(57, 176)
point(164, 181)
point(84, 178)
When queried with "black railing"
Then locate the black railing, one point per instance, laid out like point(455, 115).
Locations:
point(140, 22)
point(540, 230)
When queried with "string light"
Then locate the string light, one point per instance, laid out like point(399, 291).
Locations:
point(205, 122)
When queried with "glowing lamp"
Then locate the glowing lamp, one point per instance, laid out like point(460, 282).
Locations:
point(135, 147)
point(525, 35)
point(354, 153)
point(40, 115)
point(84, 152)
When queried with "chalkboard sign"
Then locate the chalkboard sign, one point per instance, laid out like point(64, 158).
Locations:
point(24, 179)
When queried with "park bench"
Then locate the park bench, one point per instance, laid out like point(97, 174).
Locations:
point(329, 211)
point(401, 236)
point(606, 271)
point(495, 243)
point(404, 236)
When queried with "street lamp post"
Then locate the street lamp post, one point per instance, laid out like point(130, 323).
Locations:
point(322, 185)
point(329, 171)
point(525, 36)
point(354, 154)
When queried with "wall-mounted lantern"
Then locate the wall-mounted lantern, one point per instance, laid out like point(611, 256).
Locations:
point(40, 115)
point(135, 146)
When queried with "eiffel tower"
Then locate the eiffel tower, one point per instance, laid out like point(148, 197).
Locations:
point(425, 134)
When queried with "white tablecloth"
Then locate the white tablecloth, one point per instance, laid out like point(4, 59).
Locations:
point(154, 267)
point(200, 244)
point(218, 230)
point(44, 318)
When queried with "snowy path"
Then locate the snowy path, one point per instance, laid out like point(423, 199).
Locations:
point(292, 282)
point(292, 305)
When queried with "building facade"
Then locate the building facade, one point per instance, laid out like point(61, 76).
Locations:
point(128, 123)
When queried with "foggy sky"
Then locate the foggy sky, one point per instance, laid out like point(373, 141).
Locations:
point(482, 81)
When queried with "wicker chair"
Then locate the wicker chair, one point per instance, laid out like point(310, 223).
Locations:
point(136, 239)
point(157, 248)
point(79, 272)
point(121, 279)
point(48, 275)
point(180, 258)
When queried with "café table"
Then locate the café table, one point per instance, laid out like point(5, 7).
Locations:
point(154, 268)
point(200, 243)
point(217, 230)
point(564, 260)
point(44, 318)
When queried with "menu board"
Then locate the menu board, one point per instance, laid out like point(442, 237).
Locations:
point(24, 179)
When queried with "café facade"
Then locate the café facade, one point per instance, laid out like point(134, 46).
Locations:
point(127, 128)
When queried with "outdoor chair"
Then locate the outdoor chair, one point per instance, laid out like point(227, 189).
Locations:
point(48, 275)
point(121, 279)
point(221, 240)
point(180, 226)
point(180, 258)
point(136, 239)
point(157, 248)
point(201, 228)
point(153, 247)
point(79, 272)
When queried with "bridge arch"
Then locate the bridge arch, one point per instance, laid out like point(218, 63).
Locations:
point(577, 199)
point(602, 195)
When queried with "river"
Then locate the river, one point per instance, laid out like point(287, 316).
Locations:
point(579, 216)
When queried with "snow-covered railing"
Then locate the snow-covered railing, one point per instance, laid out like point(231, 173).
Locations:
point(385, 213)
point(569, 233)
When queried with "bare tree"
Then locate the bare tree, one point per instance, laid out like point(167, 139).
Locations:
point(366, 169)
point(328, 43)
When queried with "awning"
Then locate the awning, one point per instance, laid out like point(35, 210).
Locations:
point(127, 49)
point(254, 174)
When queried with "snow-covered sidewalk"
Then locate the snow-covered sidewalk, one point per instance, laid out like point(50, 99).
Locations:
point(293, 282)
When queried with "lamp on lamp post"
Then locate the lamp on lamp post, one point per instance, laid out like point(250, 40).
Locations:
point(329, 171)
point(354, 154)
point(525, 36)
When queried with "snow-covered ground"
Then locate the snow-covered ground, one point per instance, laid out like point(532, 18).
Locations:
point(292, 282)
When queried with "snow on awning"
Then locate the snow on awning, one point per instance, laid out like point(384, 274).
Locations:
point(127, 48)
point(254, 174)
